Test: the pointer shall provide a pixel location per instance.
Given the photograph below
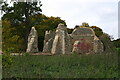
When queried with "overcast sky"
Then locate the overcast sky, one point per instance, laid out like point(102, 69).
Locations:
point(101, 13)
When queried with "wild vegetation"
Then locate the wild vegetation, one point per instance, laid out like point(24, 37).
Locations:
point(63, 66)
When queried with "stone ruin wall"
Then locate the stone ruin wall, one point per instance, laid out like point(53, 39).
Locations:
point(32, 46)
point(82, 40)
point(48, 42)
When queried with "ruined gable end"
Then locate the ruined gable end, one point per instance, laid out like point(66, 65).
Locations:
point(82, 40)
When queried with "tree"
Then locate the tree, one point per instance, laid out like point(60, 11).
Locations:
point(11, 40)
point(84, 24)
point(117, 43)
point(20, 12)
point(19, 16)
point(108, 45)
point(98, 31)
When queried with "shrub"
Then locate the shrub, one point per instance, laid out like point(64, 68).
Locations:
point(26, 54)
point(118, 50)
point(7, 60)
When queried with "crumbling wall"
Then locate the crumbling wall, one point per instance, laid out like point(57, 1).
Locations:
point(48, 42)
point(61, 43)
point(32, 46)
point(82, 40)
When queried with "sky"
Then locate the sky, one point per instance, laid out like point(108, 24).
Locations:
point(101, 13)
point(119, 19)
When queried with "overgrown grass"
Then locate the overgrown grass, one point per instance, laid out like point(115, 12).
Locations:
point(63, 66)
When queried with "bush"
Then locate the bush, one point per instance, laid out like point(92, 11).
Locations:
point(7, 60)
point(26, 54)
point(118, 50)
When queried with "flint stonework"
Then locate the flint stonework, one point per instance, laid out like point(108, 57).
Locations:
point(62, 41)
point(48, 42)
point(82, 41)
point(32, 46)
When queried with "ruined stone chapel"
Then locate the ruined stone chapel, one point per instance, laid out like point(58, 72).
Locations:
point(82, 41)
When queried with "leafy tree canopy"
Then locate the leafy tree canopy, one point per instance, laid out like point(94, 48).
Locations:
point(18, 20)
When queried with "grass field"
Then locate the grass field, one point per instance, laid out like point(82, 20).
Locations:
point(64, 66)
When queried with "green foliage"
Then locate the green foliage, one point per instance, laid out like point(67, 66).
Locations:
point(108, 45)
point(64, 66)
point(105, 38)
point(84, 24)
point(9, 50)
point(26, 54)
point(116, 43)
point(98, 31)
point(20, 11)
point(10, 37)
point(118, 50)
point(7, 60)
point(75, 54)
point(18, 20)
